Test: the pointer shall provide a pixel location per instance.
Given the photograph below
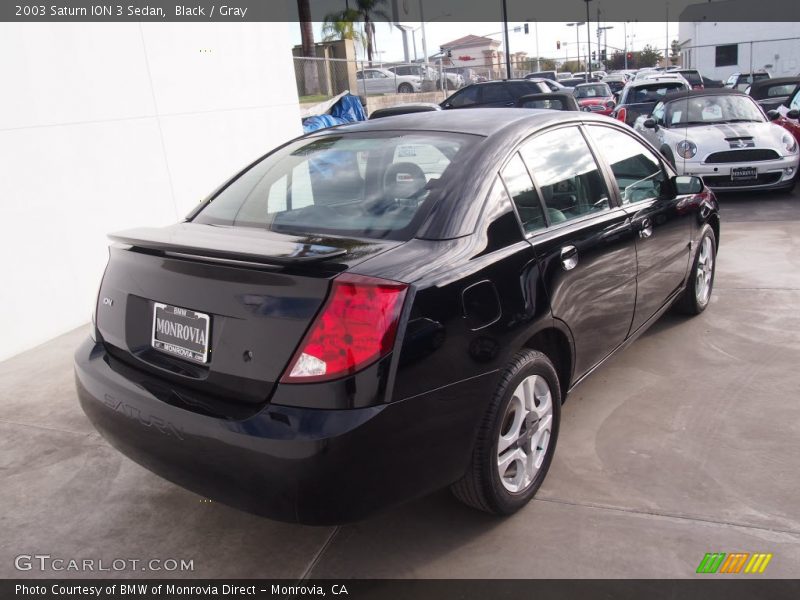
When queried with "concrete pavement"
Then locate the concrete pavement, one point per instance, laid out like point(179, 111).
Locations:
point(684, 444)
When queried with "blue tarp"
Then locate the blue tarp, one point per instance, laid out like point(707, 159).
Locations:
point(346, 110)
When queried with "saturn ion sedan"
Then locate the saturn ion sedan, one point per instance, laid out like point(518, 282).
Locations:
point(379, 310)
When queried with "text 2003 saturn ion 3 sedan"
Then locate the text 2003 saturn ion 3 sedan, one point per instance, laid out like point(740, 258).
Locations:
point(379, 310)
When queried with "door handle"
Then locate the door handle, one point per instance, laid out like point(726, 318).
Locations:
point(569, 257)
point(646, 229)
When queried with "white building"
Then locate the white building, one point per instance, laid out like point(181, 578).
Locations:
point(107, 126)
point(719, 48)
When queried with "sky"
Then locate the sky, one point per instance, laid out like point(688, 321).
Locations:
point(390, 41)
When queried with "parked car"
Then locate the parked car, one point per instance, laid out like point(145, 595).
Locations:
point(403, 109)
point(368, 314)
point(711, 83)
point(615, 82)
point(384, 81)
point(553, 101)
point(493, 94)
point(771, 93)
point(467, 74)
point(571, 83)
point(740, 81)
point(723, 137)
point(692, 76)
point(561, 75)
point(788, 114)
point(551, 75)
point(640, 97)
point(595, 97)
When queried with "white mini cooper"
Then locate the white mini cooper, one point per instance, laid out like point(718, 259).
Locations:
point(723, 137)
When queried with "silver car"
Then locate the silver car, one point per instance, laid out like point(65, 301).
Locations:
point(723, 137)
point(384, 81)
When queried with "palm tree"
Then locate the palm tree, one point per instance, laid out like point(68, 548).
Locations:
point(310, 72)
point(342, 26)
point(368, 10)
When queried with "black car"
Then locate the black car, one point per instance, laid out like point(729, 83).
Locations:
point(494, 94)
point(373, 312)
point(561, 101)
point(640, 97)
point(771, 93)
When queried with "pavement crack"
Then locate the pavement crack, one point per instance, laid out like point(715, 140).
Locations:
point(82, 433)
point(665, 515)
point(318, 556)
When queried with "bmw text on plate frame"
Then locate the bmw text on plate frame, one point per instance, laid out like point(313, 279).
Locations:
point(422, 279)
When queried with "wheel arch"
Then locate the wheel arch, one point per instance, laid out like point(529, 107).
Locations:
point(555, 342)
point(713, 221)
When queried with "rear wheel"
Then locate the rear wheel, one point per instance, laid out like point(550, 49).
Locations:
point(516, 439)
point(405, 88)
point(697, 293)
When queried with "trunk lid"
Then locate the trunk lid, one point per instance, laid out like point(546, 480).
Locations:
point(260, 291)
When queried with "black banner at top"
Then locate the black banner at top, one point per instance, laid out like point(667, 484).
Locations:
point(401, 10)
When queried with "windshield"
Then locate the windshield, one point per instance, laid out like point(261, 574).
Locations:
point(592, 91)
point(377, 185)
point(708, 110)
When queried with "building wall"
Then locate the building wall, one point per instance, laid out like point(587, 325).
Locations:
point(780, 58)
point(116, 125)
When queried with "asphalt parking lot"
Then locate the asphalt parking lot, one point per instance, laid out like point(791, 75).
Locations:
point(684, 444)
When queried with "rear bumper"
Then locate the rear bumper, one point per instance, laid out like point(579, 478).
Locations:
point(292, 464)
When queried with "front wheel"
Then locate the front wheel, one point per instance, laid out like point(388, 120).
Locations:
point(516, 439)
point(698, 288)
point(405, 88)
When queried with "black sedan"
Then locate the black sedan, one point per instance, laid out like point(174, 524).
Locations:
point(372, 312)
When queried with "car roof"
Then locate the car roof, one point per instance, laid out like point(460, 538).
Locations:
point(777, 81)
point(698, 93)
point(588, 83)
point(475, 121)
point(655, 81)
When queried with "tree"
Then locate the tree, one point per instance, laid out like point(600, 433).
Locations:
point(675, 52)
point(572, 66)
point(368, 10)
point(310, 71)
point(342, 26)
point(648, 57)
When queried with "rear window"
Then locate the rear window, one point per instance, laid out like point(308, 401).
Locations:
point(654, 92)
point(377, 185)
point(693, 77)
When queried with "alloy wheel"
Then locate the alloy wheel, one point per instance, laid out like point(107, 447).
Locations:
point(705, 271)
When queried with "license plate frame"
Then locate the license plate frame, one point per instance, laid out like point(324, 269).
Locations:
point(172, 337)
point(744, 173)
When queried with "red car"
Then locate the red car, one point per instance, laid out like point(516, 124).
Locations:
point(595, 98)
point(790, 120)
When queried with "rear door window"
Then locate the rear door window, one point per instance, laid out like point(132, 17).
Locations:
point(496, 92)
point(520, 187)
point(466, 97)
point(565, 171)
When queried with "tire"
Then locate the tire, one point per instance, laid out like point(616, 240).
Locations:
point(405, 88)
point(696, 295)
point(503, 491)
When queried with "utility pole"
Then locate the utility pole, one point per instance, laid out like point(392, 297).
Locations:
point(536, 31)
point(666, 40)
point(505, 32)
point(588, 41)
point(577, 27)
point(625, 33)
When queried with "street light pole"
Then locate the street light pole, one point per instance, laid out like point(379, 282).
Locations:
point(505, 32)
point(577, 27)
point(625, 32)
point(588, 40)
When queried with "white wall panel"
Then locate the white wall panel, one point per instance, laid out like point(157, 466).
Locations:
point(110, 126)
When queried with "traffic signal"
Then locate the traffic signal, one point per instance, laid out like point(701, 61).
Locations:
point(558, 45)
point(603, 55)
point(630, 55)
point(594, 55)
point(525, 28)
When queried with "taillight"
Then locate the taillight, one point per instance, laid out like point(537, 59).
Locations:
point(622, 113)
point(356, 326)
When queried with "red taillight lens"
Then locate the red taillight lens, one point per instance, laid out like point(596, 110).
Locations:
point(356, 327)
point(622, 113)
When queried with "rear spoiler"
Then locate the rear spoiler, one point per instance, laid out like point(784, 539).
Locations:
point(227, 244)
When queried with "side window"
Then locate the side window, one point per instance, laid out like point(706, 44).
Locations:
point(795, 103)
point(496, 92)
point(522, 192)
point(636, 169)
point(566, 173)
point(465, 98)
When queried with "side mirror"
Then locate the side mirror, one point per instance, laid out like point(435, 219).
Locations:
point(793, 114)
point(650, 123)
point(687, 184)
point(773, 115)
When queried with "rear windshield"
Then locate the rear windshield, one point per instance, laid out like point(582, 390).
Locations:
point(654, 92)
point(377, 185)
point(692, 77)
